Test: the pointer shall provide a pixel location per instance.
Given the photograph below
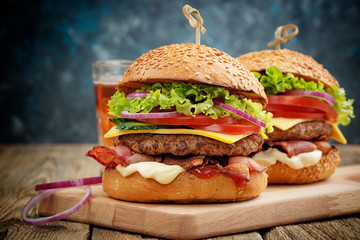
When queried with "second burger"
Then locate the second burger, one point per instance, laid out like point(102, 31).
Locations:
point(308, 105)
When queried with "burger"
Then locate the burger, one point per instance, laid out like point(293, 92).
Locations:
point(187, 120)
point(307, 106)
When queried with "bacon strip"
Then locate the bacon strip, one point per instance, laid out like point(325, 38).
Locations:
point(186, 163)
point(138, 157)
point(110, 157)
point(123, 154)
point(323, 146)
point(239, 168)
point(251, 164)
point(103, 155)
point(244, 166)
point(295, 147)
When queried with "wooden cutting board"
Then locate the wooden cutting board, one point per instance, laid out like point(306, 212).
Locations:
point(278, 205)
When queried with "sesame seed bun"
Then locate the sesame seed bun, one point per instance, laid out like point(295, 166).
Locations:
point(196, 64)
point(281, 173)
point(288, 61)
point(186, 188)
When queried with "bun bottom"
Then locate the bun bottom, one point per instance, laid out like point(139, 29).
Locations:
point(186, 188)
point(281, 173)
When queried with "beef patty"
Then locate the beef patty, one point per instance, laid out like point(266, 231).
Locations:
point(183, 144)
point(312, 130)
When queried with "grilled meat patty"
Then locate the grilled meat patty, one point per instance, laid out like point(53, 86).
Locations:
point(312, 130)
point(183, 144)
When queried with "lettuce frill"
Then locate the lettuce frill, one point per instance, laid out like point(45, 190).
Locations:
point(274, 82)
point(188, 99)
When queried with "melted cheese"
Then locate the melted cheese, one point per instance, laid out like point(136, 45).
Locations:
point(302, 160)
point(337, 134)
point(160, 172)
point(286, 123)
point(226, 138)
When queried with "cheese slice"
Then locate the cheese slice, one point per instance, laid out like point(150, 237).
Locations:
point(337, 134)
point(226, 138)
point(286, 123)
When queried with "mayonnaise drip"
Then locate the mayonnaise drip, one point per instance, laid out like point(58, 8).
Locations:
point(302, 160)
point(160, 172)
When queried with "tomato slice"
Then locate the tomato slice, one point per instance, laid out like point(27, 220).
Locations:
point(244, 127)
point(302, 115)
point(189, 120)
point(285, 108)
point(297, 104)
point(295, 112)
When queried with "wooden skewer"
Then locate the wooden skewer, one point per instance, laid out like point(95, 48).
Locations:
point(285, 36)
point(195, 20)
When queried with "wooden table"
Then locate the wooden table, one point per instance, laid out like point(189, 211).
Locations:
point(24, 166)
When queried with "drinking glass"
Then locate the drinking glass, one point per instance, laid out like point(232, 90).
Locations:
point(106, 75)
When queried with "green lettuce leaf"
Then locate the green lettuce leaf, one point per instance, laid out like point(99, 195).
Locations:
point(189, 99)
point(274, 82)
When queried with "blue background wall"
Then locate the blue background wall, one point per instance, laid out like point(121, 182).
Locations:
point(47, 47)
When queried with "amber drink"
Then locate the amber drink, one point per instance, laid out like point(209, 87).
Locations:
point(106, 75)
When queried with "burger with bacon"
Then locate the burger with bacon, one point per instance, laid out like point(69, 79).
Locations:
point(187, 120)
point(308, 105)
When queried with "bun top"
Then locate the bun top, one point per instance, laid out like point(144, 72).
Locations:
point(196, 64)
point(288, 62)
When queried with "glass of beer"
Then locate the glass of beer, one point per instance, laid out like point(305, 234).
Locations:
point(106, 75)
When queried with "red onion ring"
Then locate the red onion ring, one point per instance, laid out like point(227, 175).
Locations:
point(137, 94)
point(126, 114)
point(320, 95)
point(69, 183)
point(240, 113)
point(44, 194)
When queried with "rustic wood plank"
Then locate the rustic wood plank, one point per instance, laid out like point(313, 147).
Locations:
point(277, 205)
point(27, 165)
point(350, 154)
point(347, 227)
point(104, 234)
point(342, 228)
point(15, 229)
point(240, 236)
point(11, 226)
point(24, 166)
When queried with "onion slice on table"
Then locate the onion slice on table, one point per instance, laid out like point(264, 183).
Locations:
point(44, 194)
point(319, 95)
point(69, 183)
point(137, 94)
point(240, 113)
point(53, 187)
point(126, 114)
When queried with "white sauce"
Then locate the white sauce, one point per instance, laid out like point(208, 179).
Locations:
point(302, 160)
point(160, 172)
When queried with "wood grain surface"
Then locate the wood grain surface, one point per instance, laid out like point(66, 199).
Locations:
point(278, 205)
point(23, 166)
